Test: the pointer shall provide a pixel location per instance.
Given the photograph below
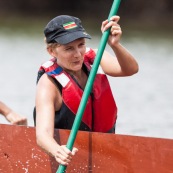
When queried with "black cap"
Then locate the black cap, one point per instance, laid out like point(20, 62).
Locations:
point(64, 29)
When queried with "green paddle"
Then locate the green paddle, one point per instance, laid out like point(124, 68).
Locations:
point(89, 85)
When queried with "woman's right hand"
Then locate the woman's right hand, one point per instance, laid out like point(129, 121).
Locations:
point(64, 156)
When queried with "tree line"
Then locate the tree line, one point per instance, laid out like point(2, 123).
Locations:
point(156, 10)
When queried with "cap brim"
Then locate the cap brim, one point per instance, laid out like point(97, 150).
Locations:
point(65, 39)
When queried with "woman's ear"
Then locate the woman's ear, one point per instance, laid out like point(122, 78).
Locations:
point(51, 51)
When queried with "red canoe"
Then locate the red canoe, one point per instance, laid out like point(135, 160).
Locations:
point(98, 153)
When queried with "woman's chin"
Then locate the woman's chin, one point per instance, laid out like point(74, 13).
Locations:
point(77, 67)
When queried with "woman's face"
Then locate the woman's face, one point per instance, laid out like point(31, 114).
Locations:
point(71, 56)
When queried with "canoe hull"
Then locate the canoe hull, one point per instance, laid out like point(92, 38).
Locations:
point(98, 153)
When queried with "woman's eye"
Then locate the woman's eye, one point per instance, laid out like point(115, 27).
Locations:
point(68, 48)
point(82, 44)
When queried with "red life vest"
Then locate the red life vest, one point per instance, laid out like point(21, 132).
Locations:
point(101, 111)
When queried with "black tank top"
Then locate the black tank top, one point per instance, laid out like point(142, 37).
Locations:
point(64, 118)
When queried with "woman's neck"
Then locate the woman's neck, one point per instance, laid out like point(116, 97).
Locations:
point(80, 77)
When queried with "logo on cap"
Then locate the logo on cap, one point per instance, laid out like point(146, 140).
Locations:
point(85, 33)
point(69, 25)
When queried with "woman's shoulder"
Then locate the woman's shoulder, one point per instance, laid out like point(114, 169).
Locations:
point(46, 82)
point(89, 55)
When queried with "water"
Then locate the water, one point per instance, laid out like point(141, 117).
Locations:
point(145, 100)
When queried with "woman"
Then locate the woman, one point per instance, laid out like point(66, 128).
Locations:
point(62, 79)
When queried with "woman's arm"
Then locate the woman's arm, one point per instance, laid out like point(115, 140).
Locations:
point(123, 64)
point(48, 99)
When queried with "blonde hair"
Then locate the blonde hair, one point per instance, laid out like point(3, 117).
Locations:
point(51, 45)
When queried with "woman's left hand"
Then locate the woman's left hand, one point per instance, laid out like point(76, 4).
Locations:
point(115, 31)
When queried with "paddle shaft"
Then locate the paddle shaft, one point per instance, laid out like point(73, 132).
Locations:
point(89, 84)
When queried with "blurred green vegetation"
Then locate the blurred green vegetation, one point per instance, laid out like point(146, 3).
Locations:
point(31, 16)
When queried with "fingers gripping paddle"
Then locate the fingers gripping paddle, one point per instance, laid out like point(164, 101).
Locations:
point(89, 85)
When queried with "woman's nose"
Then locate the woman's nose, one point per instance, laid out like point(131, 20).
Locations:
point(77, 52)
